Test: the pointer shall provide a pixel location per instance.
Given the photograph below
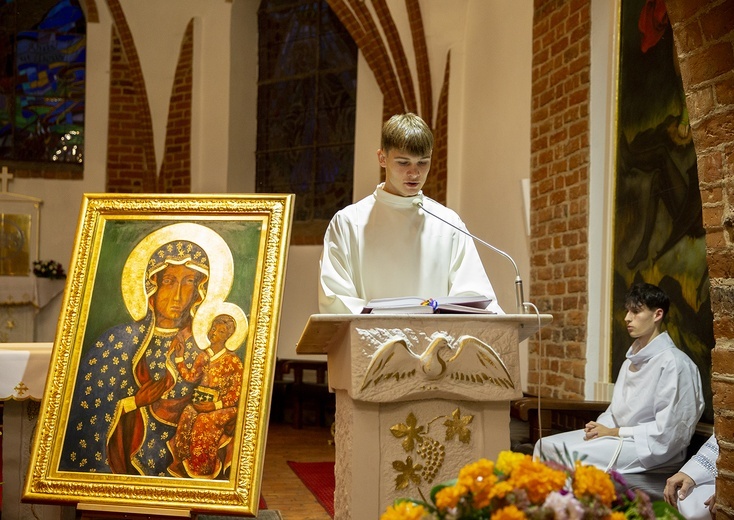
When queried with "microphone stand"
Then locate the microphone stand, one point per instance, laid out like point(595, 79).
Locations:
point(519, 297)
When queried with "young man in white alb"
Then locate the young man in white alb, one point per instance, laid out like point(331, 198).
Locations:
point(386, 246)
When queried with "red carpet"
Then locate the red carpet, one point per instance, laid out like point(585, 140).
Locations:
point(318, 477)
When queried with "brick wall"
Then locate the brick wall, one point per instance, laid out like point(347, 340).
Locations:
point(175, 176)
point(130, 153)
point(131, 161)
point(131, 164)
point(704, 36)
point(559, 193)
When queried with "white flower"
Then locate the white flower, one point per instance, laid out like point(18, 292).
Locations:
point(565, 507)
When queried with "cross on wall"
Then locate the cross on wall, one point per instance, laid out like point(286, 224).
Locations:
point(5, 176)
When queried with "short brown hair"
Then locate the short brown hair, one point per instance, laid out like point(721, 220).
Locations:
point(407, 132)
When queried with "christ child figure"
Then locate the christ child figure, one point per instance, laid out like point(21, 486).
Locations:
point(202, 445)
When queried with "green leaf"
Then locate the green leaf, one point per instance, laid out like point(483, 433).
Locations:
point(663, 510)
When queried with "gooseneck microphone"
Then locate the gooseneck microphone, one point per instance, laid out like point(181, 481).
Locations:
point(519, 297)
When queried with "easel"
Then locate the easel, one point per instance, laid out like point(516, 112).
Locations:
point(111, 512)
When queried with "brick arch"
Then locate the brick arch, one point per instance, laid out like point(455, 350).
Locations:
point(131, 160)
point(704, 37)
point(386, 58)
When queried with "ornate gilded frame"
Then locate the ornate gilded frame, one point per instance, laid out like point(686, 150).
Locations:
point(113, 231)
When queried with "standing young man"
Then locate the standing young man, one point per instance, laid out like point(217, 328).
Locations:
point(386, 246)
point(656, 403)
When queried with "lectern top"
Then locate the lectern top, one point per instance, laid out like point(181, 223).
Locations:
point(323, 331)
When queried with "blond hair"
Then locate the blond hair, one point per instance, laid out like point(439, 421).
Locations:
point(407, 132)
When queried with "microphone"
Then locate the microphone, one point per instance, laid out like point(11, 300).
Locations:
point(519, 297)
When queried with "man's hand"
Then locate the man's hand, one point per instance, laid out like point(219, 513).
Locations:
point(711, 503)
point(677, 487)
point(593, 429)
point(178, 348)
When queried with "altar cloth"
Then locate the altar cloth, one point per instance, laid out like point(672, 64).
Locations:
point(23, 368)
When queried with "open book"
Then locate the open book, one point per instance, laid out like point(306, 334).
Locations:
point(417, 305)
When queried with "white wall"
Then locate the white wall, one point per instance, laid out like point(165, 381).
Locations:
point(604, 36)
point(492, 101)
point(494, 105)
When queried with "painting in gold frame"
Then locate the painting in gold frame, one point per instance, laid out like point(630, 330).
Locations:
point(159, 389)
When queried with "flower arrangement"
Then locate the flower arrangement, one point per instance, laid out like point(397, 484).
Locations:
point(517, 487)
point(48, 269)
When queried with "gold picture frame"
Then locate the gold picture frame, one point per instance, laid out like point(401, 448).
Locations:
point(167, 297)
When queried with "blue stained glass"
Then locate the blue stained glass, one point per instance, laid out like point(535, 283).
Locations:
point(63, 17)
point(49, 128)
point(50, 48)
point(337, 90)
point(6, 127)
point(46, 67)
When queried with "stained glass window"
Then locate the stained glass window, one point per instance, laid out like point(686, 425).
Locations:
point(306, 109)
point(42, 81)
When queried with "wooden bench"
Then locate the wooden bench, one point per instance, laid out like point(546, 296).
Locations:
point(551, 416)
point(309, 391)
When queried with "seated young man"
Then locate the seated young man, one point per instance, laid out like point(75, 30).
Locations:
point(656, 403)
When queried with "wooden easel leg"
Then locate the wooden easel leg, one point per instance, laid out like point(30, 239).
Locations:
point(107, 512)
point(95, 515)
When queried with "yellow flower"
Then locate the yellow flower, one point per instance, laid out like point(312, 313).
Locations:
point(537, 479)
point(501, 489)
point(404, 511)
point(591, 481)
point(508, 461)
point(616, 515)
point(510, 512)
point(449, 496)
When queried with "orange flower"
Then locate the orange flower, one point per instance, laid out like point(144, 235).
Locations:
point(478, 470)
point(510, 512)
point(591, 481)
point(478, 478)
point(449, 496)
point(616, 515)
point(537, 479)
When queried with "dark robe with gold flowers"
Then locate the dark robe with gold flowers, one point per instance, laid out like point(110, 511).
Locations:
point(106, 432)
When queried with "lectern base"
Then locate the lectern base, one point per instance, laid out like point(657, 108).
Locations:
point(386, 451)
